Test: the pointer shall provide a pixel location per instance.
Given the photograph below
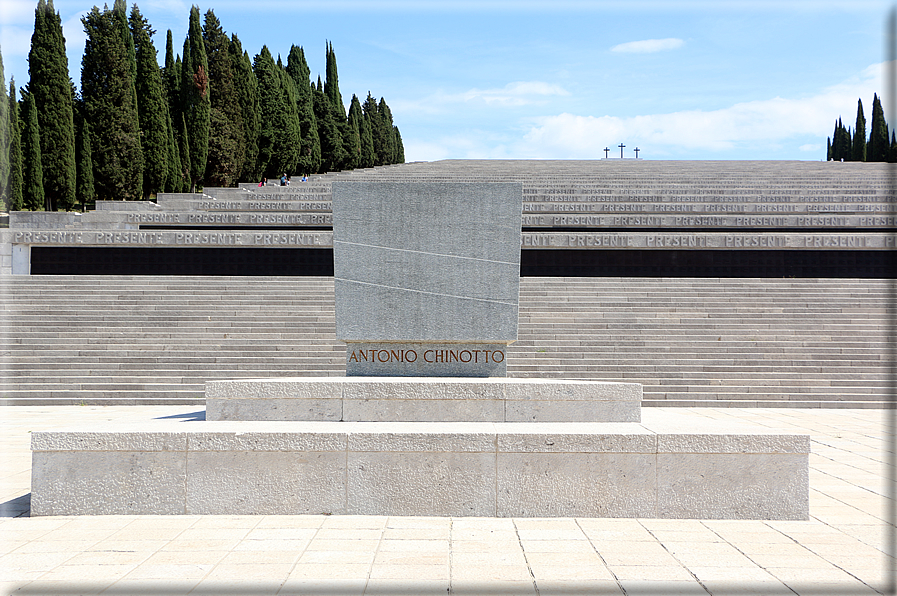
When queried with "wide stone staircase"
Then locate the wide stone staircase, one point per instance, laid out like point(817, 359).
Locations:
point(692, 342)
point(745, 342)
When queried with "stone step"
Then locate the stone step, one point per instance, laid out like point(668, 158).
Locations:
point(73, 397)
point(740, 403)
point(538, 321)
point(138, 367)
point(710, 399)
point(847, 400)
point(78, 375)
point(800, 340)
point(838, 370)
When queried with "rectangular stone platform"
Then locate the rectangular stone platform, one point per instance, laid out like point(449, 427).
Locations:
point(421, 399)
point(651, 470)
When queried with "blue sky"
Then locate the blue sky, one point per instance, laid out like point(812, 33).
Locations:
point(559, 79)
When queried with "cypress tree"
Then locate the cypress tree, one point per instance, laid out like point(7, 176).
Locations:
point(840, 142)
point(196, 98)
point(16, 174)
point(372, 120)
point(355, 111)
point(293, 160)
point(332, 152)
point(5, 138)
point(848, 145)
point(356, 117)
point(247, 92)
point(174, 73)
point(120, 10)
point(173, 176)
point(52, 92)
point(177, 103)
point(184, 150)
point(877, 149)
point(400, 148)
point(844, 145)
point(279, 135)
point(367, 157)
point(172, 80)
point(828, 149)
point(107, 91)
point(226, 142)
point(834, 152)
point(859, 135)
point(33, 187)
point(84, 187)
point(386, 152)
point(331, 77)
point(150, 106)
point(297, 69)
point(338, 110)
point(272, 107)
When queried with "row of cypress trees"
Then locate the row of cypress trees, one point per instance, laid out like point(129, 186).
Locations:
point(852, 145)
point(210, 116)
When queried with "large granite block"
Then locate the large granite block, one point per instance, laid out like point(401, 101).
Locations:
point(421, 468)
point(576, 484)
point(732, 486)
point(417, 263)
point(446, 483)
point(265, 482)
point(91, 482)
point(385, 399)
point(251, 408)
point(425, 410)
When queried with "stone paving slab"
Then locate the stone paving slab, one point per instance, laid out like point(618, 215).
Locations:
point(839, 551)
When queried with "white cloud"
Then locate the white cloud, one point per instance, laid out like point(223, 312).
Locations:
point(17, 12)
point(757, 123)
point(811, 147)
point(465, 144)
point(648, 46)
point(73, 31)
point(514, 94)
point(15, 41)
point(519, 93)
point(177, 7)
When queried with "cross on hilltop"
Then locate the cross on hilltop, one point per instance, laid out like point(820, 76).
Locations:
point(621, 146)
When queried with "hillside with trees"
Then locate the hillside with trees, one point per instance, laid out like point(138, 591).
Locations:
point(210, 116)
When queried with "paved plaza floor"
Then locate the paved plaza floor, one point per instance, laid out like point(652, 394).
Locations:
point(841, 549)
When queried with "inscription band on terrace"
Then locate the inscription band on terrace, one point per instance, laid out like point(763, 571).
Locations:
point(528, 240)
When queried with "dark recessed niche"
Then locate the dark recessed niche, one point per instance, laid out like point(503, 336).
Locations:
point(180, 261)
point(533, 263)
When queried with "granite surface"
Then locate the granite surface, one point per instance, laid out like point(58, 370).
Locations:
point(435, 262)
point(422, 468)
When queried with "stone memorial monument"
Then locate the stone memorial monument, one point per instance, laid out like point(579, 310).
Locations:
point(426, 282)
point(426, 276)
point(425, 422)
